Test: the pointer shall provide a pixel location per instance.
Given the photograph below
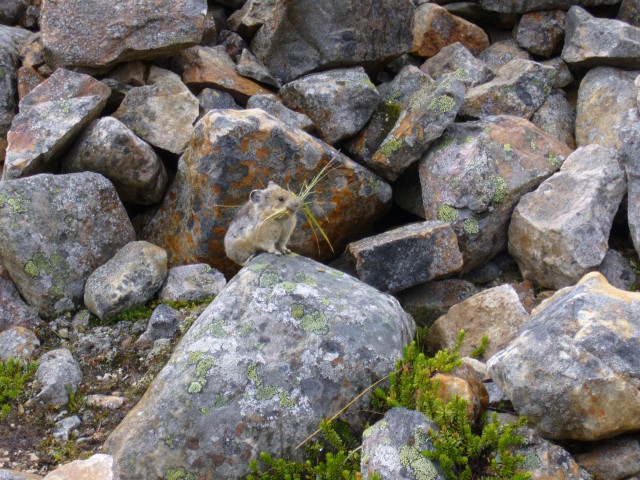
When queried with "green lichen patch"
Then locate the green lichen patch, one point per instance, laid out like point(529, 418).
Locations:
point(534, 146)
point(65, 106)
point(390, 146)
point(220, 400)
point(269, 280)
point(447, 213)
point(205, 411)
point(194, 357)
point(216, 329)
point(195, 387)
point(507, 147)
point(285, 400)
point(288, 287)
point(500, 188)
point(18, 203)
point(266, 392)
point(39, 264)
point(306, 279)
point(252, 373)
point(315, 322)
point(179, 473)
point(554, 160)
point(205, 364)
point(411, 457)
point(246, 329)
point(471, 226)
point(297, 311)
point(443, 103)
point(257, 267)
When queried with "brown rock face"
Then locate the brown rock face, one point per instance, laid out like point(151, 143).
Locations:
point(435, 28)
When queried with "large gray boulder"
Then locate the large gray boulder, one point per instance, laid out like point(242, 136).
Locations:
point(631, 162)
point(11, 41)
point(285, 344)
point(54, 231)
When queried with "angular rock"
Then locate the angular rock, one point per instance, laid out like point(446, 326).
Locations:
point(496, 313)
point(462, 383)
point(524, 6)
point(20, 343)
point(16, 475)
point(130, 73)
point(393, 446)
point(612, 459)
point(560, 232)
point(557, 117)
point(427, 302)
point(606, 104)
point(546, 461)
point(252, 15)
point(163, 113)
point(406, 256)
point(31, 53)
point(54, 231)
point(63, 428)
point(594, 42)
point(249, 66)
point(434, 28)
point(50, 118)
point(272, 105)
point(476, 173)
point(572, 370)
point(108, 147)
point(629, 12)
point(456, 57)
point(205, 67)
point(519, 88)
point(231, 43)
point(541, 33)
point(11, 10)
point(163, 323)
point(339, 102)
point(13, 311)
point(191, 283)
point(631, 162)
point(395, 97)
point(96, 467)
point(618, 270)
point(58, 372)
point(429, 114)
point(308, 35)
point(134, 274)
point(563, 74)
point(109, 402)
point(500, 53)
point(94, 34)
point(323, 336)
point(28, 79)
point(485, 273)
point(211, 98)
point(11, 41)
point(232, 153)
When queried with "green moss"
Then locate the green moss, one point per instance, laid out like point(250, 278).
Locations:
point(179, 473)
point(443, 103)
point(390, 146)
point(447, 213)
point(471, 226)
point(554, 160)
point(269, 280)
point(266, 392)
point(315, 322)
point(13, 376)
point(411, 457)
point(133, 314)
point(391, 111)
point(500, 188)
point(297, 311)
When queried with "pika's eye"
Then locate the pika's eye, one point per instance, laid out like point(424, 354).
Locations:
point(281, 198)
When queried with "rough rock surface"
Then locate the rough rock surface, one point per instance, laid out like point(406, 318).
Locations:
point(50, 118)
point(232, 152)
point(10, 11)
point(546, 461)
point(339, 102)
point(11, 41)
point(629, 12)
point(108, 147)
point(58, 372)
point(631, 162)
point(541, 33)
point(190, 283)
point(500, 53)
point(163, 323)
point(393, 446)
point(211, 98)
point(474, 175)
point(406, 256)
point(18, 342)
point(309, 35)
point(272, 105)
point(563, 76)
point(618, 270)
point(496, 313)
point(91, 33)
point(13, 311)
point(252, 15)
point(130, 278)
point(15, 475)
point(249, 66)
point(284, 344)
point(456, 57)
point(557, 117)
point(80, 224)
point(96, 467)
point(524, 6)
point(573, 369)
point(612, 459)
point(560, 232)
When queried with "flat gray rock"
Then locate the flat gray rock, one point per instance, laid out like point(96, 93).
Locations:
point(273, 105)
point(456, 57)
point(189, 283)
point(18, 342)
point(57, 373)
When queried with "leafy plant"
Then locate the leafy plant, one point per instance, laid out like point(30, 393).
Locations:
point(480, 349)
point(13, 376)
point(76, 399)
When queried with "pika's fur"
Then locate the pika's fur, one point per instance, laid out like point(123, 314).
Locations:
point(263, 224)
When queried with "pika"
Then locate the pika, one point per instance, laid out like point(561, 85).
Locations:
point(263, 224)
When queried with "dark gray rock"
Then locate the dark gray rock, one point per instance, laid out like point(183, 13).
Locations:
point(163, 323)
point(618, 270)
point(65, 427)
point(134, 274)
point(485, 273)
point(191, 283)
point(557, 235)
point(630, 12)
point(631, 162)
point(309, 35)
point(541, 33)
point(563, 74)
point(54, 231)
point(284, 344)
point(18, 342)
point(500, 53)
point(108, 147)
point(406, 256)
point(557, 117)
point(11, 41)
point(11, 10)
point(252, 15)
point(524, 6)
point(211, 98)
point(272, 105)
point(50, 118)
point(456, 57)
point(58, 372)
point(339, 102)
point(612, 459)
point(13, 311)
point(249, 66)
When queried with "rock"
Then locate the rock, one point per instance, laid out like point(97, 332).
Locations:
point(99, 341)
point(211, 98)
point(205, 67)
point(250, 66)
point(395, 97)
point(54, 231)
point(556, 116)
point(563, 74)
point(162, 113)
point(191, 283)
point(58, 372)
point(500, 53)
point(612, 459)
point(108, 147)
point(93, 34)
point(435, 28)
point(96, 467)
point(560, 232)
point(462, 383)
point(618, 270)
point(118, 91)
point(252, 15)
point(11, 41)
point(541, 33)
point(28, 79)
point(631, 162)
point(594, 42)
point(496, 313)
point(475, 174)
point(524, 6)
point(11, 10)
point(406, 256)
point(393, 446)
point(251, 147)
point(13, 311)
point(109, 402)
point(428, 115)
point(456, 57)
point(31, 54)
point(129, 279)
point(310, 35)
point(606, 104)
point(64, 427)
point(429, 301)
point(485, 273)
point(18, 342)
point(272, 105)
point(545, 461)
point(588, 391)
point(15, 475)
point(629, 12)
point(130, 73)
point(519, 88)
point(232, 43)
point(339, 102)
point(50, 118)
point(323, 337)
point(163, 323)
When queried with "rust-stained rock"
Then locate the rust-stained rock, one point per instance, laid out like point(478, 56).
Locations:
point(435, 28)
point(612, 459)
point(28, 79)
point(541, 33)
point(557, 117)
point(462, 383)
point(454, 58)
point(50, 118)
point(235, 151)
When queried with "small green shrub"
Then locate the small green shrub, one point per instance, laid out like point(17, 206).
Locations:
point(13, 376)
point(480, 349)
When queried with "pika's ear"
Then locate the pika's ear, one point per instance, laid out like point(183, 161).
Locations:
point(272, 184)
point(255, 196)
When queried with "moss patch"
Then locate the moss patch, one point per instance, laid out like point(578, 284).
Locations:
point(389, 147)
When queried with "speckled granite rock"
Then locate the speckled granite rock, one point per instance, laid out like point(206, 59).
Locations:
point(541, 33)
point(557, 117)
point(188, 283)
point(57, 372)
point(96, 467)
point(20, 343)
point(456, 57)
point(11, 41)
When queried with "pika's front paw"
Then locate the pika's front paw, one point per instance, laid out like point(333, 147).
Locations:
point(274, 251)
point(285, 250)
